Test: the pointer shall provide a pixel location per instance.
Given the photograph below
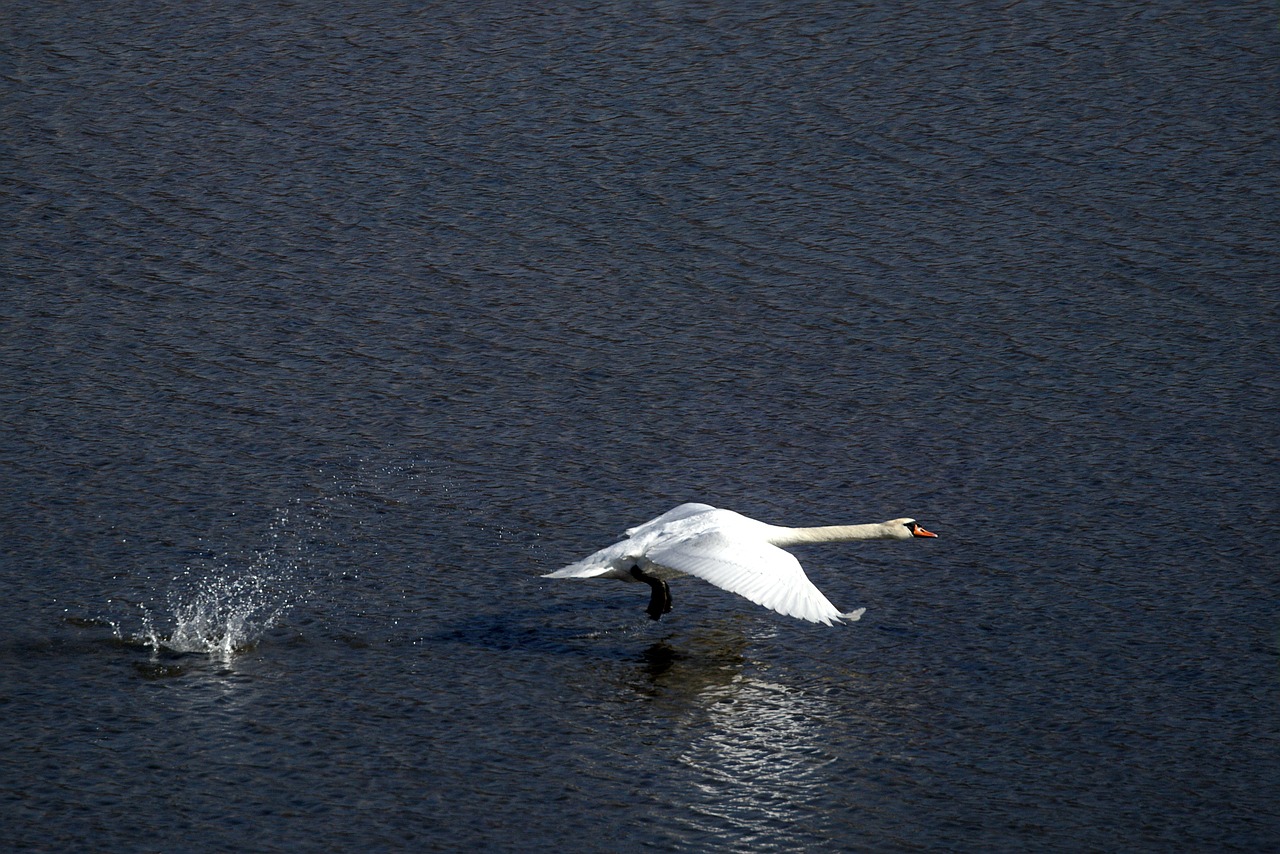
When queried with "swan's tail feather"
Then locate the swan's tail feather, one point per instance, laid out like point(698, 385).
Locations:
point(608, 561)
point(577, 570)
point(854, 615)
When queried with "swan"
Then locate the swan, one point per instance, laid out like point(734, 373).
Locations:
point(734, 553)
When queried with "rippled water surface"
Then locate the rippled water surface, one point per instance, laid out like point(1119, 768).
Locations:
point(326, 328)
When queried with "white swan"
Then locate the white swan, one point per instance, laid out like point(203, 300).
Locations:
point(732, 552)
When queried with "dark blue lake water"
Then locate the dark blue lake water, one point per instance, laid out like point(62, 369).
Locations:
point(326, 328)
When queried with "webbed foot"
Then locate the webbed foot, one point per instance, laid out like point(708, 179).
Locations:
point(659, 593)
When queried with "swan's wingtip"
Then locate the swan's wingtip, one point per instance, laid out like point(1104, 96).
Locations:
point(854, 615)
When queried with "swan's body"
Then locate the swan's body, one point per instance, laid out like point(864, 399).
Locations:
point(732, 552)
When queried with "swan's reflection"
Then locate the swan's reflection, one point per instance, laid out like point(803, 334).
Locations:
point(755, 755)
point(682, 674)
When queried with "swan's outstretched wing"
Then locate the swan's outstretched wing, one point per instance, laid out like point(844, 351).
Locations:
point(752, 568)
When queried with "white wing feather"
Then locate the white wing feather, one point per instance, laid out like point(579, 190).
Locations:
point(675, 514)
point(753, 569)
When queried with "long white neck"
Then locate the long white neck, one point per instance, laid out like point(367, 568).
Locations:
point(830, 534)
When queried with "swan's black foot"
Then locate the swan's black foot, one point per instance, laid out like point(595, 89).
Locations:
point(659, 596)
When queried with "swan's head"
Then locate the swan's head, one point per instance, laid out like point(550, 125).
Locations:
point(905, 529)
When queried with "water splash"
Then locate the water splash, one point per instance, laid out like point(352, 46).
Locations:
point(223, 609)
point(225, 615)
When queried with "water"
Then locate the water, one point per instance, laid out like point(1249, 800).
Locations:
point(327, 328)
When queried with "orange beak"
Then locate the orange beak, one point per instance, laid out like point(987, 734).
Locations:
point(917, 531)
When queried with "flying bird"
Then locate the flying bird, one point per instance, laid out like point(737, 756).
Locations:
point(734, 553)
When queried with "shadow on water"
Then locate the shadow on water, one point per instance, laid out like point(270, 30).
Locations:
point(546, 630)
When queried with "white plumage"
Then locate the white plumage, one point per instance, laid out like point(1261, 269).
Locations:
point(732, 552)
